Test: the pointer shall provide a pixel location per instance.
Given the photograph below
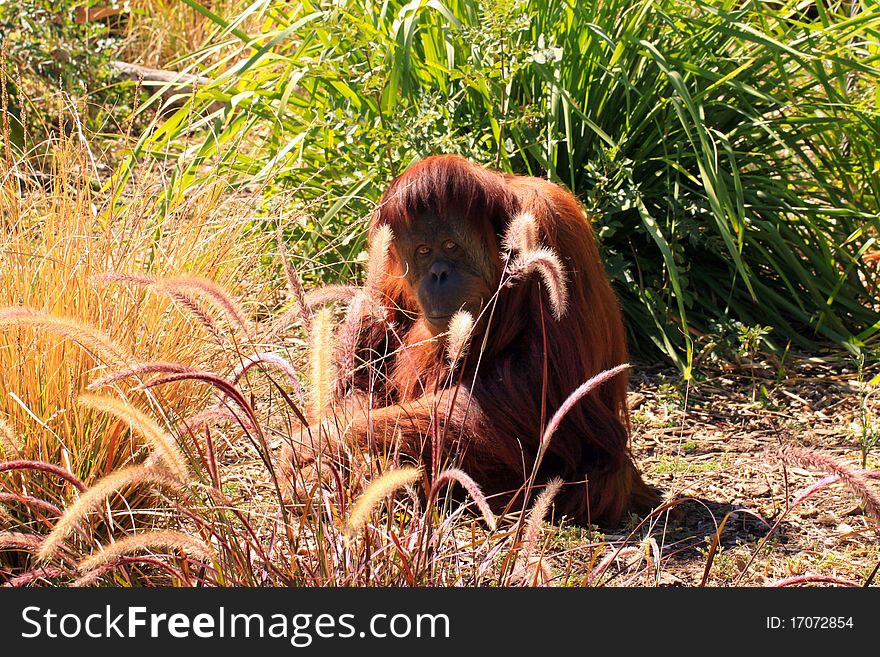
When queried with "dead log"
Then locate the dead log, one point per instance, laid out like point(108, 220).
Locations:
point(92, 14)
point(176, 87)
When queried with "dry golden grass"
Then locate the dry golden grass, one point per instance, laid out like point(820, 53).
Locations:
point(163, 31)
point(60, 329)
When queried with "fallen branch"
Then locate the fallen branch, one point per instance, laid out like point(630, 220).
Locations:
point(174, 86)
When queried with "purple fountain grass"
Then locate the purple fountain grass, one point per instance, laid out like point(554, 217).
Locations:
point(323, 363)
point(537, 514)
point(454, 474)
point(43, 572)
point(195, 309)
point(547, 264)
point(649, 551)
point(110, 278)
point(620, 553)
point(31, 502)
point(364, 302)
point(809, 491)
point(854, 479)
point(43, 467)
point(19, 541)
point(344, 294)
point(210, 291)
point(267, 358)
point(207, 416)
point(314, 299)
point(139, 370)
point(579, 393)
point(181, 288)
point(218, 382)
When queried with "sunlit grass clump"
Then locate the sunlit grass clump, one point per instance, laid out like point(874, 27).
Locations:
point(91, 286)
point(64, 323)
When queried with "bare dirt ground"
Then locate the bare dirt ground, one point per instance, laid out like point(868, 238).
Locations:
point(715, 442)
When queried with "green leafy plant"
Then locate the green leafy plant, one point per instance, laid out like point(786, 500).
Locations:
point(866, 429)
point(47, 40)
point(56, 56)
point(725, 150)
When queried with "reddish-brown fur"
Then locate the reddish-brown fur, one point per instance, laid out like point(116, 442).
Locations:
point(489, 413)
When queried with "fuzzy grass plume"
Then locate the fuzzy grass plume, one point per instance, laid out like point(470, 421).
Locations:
point(186, 289)
point(546, 262)
point(522, 243)
point(854, 479)
point(208, 290)
point(580, 392)
point(335, 293)
point(19, 541)
point(140, 370)
point(377, 267)
point(458, 336)
point(93, 499)
point(164, 445)
point(389, 482)
point(45, 573)
point(530, 566)
point(322, 362)
point(162, 540)
point(454, 474)
point(521, 234)
point(29, 501)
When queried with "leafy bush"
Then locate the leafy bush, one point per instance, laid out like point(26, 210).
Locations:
point(726, 150)
point(50, 47)
point(47, 40)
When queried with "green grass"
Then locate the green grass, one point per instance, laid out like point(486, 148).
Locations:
point(680, 465)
